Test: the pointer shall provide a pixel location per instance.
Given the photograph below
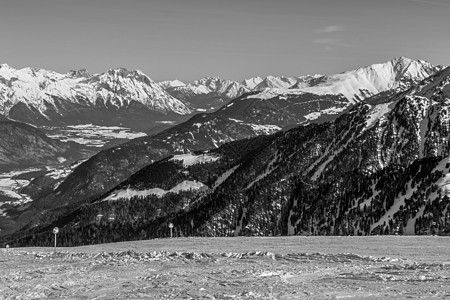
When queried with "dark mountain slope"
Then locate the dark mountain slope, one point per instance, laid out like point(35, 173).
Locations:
point(257, 116)
point(22, 145)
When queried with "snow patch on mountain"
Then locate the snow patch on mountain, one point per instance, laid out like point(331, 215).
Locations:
point(377, 112)
point(224, 176)
point(187, 185)
point(189, 159)
point(251, 83)
point(265, 129)
point(328, 111)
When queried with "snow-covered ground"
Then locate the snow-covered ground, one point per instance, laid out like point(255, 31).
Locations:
point(92, 135)
point(388, 267)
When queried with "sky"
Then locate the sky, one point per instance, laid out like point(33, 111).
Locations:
point(231, 39)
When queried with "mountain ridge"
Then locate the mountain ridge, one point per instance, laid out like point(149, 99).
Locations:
point(266, 112)
point(42, 97)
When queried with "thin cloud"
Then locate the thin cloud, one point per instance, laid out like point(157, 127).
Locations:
point(332, 44)
point(431, 2)
point(330, 29)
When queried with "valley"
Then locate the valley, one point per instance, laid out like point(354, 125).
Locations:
point(21, 183)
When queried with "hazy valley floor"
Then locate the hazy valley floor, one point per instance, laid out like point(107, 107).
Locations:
point(387, 267)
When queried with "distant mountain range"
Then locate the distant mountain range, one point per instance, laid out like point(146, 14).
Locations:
point(116, 97)
point(132, 99)
point(349, 131)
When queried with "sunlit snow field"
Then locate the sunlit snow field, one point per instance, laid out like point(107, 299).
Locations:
point(384, 267)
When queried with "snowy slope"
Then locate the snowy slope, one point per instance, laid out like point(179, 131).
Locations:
point(280, 82)
point(226, 88)
point(51, 93)
point(359, 84)
point(171, 83)
point(398, 74)
point(251, 83)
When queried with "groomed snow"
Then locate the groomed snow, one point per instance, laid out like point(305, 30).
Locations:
point(186, 185)
point(189, 159)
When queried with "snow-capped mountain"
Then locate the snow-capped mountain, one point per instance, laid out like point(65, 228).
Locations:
point(373, 83)
point(40, 96)
point(225, 88)
point(171, 83)
point(278, 82)
point(377, 80)
point(397, 74)
point(208, 93)
point(251, 83)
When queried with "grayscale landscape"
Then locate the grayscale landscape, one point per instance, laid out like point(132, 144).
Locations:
point(197, 149)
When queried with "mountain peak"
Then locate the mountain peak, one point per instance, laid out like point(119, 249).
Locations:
point(171, 83)
point(400, 59)
point(79, 73)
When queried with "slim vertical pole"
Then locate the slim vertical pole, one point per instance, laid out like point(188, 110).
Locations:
point(171, 226)
point(55, 232)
